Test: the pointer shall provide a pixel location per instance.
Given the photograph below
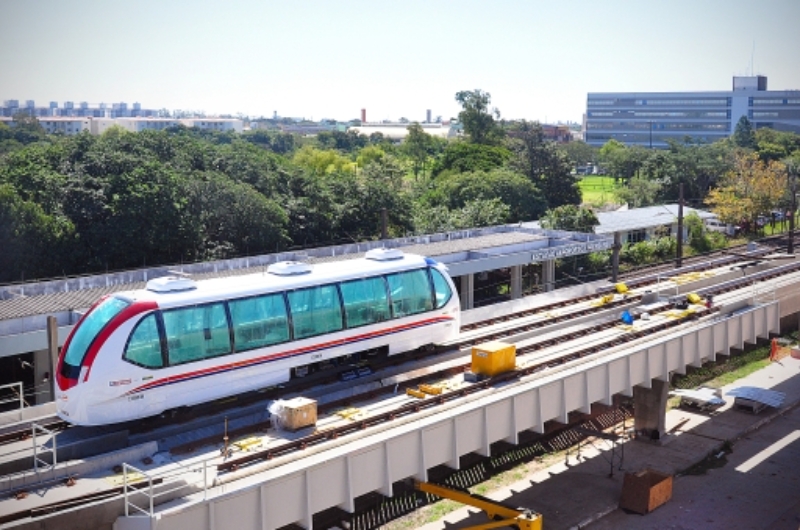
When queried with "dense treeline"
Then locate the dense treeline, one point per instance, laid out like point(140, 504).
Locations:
point(82, 204)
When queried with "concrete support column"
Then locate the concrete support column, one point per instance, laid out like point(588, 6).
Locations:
point(650, 409)
point(467, 291)
point(549, 275)
point(615, 256)
point(516, 282)
point(42, 376)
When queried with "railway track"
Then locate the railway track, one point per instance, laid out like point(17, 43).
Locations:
point(435, 401)
point(156, 425)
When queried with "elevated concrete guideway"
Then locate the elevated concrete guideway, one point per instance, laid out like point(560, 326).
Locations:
point(289, 490)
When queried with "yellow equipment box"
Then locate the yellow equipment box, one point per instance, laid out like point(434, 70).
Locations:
point(493, 358)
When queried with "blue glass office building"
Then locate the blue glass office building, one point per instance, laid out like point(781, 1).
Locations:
point(649, 119)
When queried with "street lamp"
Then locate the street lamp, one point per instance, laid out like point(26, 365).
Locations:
point(651, 133)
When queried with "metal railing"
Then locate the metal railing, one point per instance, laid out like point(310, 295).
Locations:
point(39, 463)
point(18, 394)
point(137, 483)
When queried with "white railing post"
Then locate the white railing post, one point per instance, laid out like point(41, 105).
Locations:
point(37, 461)
point(18, 396)
point(205, 480)
point(125, 486)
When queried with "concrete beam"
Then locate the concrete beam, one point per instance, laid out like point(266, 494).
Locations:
point(467, 291)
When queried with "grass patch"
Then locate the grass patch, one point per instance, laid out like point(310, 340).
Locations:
point(597, 190)
point(720, 373)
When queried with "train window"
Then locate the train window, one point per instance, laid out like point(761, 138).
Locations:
point(441, 289)
point(196, 333)
point(365, 301)
point(315, 310)
point(411, 292)
point(144, 345)
point(259, 321)
point(87, 331)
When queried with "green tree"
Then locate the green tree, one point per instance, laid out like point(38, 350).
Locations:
point(638, 192)
point(697, 166)
point(477, 213)
point(698, 235)
point(579, 152)
point(743, 134)
point(27, 128)
point(417, 145)
point(321, 161)
point(544, 164)
point(570, 217)
point(478, 119)
point(524, 200)
point(234, 219)
point(33, 242)
point(460, 157)
point(621, 161)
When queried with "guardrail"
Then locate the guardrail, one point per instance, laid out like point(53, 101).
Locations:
point(139, 483)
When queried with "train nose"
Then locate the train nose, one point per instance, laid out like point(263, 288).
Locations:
point(65, 408)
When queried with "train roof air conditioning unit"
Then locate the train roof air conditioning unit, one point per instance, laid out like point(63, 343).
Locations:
point(171, 284)
point(384, 254)
point(289, 268)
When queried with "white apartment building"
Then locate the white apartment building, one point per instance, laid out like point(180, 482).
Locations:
point(214, 124)
point(101, 125)
point(69, 126)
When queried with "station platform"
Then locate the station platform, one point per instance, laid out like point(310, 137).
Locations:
point(577, 491)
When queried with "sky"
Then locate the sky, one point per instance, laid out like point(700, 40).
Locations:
point(330, 58)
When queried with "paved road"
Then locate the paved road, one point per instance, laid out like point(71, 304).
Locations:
point(757, 487)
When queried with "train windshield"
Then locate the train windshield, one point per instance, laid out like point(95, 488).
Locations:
point(87, 331)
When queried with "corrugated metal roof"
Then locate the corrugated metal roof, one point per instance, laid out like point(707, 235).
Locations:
point(441, 248)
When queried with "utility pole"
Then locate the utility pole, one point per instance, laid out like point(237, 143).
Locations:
point(679, 257)
point(615, 257)
point(792, 186)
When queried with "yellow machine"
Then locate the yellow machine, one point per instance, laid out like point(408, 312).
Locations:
point(500, 514)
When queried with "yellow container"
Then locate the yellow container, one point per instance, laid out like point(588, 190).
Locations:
point(493, 358)
point(694, 298)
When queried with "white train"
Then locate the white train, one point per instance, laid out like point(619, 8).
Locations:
point(179, 342)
